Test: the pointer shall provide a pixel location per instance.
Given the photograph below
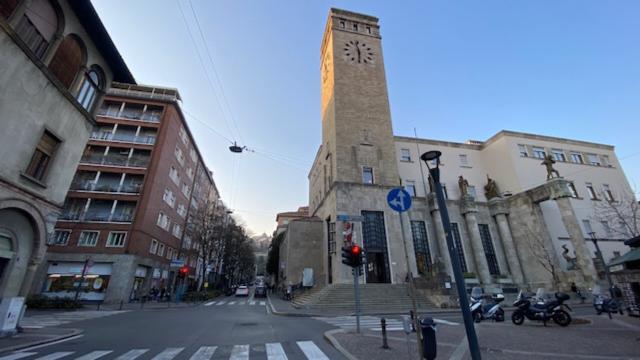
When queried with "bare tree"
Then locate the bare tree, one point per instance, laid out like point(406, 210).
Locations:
point(621, 215)
point(239, 257)
point(208, 225)
point(545, 255)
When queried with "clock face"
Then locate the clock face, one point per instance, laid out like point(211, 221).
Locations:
point(358, 52)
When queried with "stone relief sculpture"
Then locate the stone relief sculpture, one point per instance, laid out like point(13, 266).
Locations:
point(572, 262)
point(463, 184)
point(491, 189)
point(548, 163)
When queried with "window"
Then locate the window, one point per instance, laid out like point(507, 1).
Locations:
point(183, 135)
point(182, 210)
point(489, 251)
point(160, 250)
point(367, 175)
point(607, 228)
point(342, 24)
point(179, 155)
point(187, 242)
point(163, 221)
point(464, 161)
point(368, 29)
point(421, 246)
point(457, 241)
point(42, 156)
point(169, 253)
point(576, 158)
point(558, 155)
point(471, 190)
point(61, 237)
point(355, 27)
point(539, 152)
point(586, 225)
point(68, 59)
point(405, 155)
point(154, 246)
point(185, 189)
point(616, 254)
point(410, 186)
point(593, 159)
point(523, 150)
point(572, 189)
point(88, 238)
point(177, 230)
point(193, 155)
point(605, 161)
point(38, 25)
point(331, 231)
point(168, 197)
point(190, 173)
point(173, 174)
point(608, 195)
point(92, 84)
point(116, 239)
point(591, 191)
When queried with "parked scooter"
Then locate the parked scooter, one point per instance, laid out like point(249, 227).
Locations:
point(540, 309)
point(604, 303)
point(484, 311)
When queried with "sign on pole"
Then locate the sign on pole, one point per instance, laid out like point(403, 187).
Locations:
point(176, 263)
point(399, 200)
point(353, 218)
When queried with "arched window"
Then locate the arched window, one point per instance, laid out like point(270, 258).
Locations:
point(37, 26)
point(68, 59)
point(93, 83)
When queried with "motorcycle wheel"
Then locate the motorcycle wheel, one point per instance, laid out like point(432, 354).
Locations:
point(517, 317)
point(499, 315)
point(562, 318)
point(477, 316)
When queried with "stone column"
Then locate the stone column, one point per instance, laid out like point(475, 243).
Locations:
point(500, 211)
point(469, 210)
point(441, 240)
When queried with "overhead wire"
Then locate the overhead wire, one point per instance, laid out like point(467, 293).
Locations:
point(207, 125)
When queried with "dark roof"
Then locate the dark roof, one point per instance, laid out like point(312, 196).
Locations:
point(633, 242)
point(89, 19)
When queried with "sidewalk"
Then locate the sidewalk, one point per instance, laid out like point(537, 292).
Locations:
point(33, 337)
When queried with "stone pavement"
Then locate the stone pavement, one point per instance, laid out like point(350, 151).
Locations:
point(615, 339)
point(33, 337)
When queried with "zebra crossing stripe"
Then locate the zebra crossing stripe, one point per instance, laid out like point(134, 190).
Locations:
point(209, 303)
point(132, 354)
point(168, 354)
point(311, 351)
point(231, 303)
point(16, 356)
point(252, 302)
point(221, 303)
point(241, 303)
point(94, 355)
point(204, 353)
point(262, 303)
point(240, 352)
point(55, 355)
point(275, 352)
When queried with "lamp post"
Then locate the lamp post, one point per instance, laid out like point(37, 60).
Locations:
point(606, 268)
point(474, 349)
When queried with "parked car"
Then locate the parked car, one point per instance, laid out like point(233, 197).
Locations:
point(242, 291)
point(261, 291)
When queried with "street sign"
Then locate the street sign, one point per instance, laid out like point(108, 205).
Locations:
point(354, 218)
point(399, 199)
point(177, 263)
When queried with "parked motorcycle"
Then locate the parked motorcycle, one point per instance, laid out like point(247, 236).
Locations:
point(604, 303)
point(484, 311)
point(541, 309)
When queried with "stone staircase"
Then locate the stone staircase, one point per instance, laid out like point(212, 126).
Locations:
point(374, 298)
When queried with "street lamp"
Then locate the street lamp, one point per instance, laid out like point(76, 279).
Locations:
point(606, 268)
point(428, 157)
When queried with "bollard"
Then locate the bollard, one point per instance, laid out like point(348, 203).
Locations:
point(413, 320)
point(383, 325)
point(121, 302)
point(429, 345)
point(141, 303)
point(98, 306)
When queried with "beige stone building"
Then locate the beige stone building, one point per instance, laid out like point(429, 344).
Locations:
point(500, 241)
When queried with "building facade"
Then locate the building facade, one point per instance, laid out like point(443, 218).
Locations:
point(139, 182)
point(57, 61)
point(500, 238)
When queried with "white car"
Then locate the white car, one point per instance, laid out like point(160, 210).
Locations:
point(242, 291)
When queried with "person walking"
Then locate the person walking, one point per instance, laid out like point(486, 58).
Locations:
point(575, 290)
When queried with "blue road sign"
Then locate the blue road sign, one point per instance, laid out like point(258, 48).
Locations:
point(399, 200)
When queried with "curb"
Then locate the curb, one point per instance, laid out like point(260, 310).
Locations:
point(329, 336)
point(75, 332)
point(283, 313)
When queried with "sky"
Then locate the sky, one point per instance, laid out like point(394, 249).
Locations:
point(456, 70)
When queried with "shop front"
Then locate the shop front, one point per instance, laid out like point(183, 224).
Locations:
point(64, 279)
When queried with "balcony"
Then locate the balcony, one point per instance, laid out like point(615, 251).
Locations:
point(131, 112)
point(116, 160)
point(99, 210)
point(133, 188)
point(130, 138)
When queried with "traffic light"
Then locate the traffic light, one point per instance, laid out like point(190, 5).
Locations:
point(184, 271)
point(346, 256)
point(352, 256)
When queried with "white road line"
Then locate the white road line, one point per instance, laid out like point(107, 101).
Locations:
point(168, 354)
point(241, 303)
point(52, 343)
point(231, 303)
point(209, 303)
point(132, 354)
point(275, 352)
point(221, 303)
point(94, 355)
point(240, 352)
point(18, 355)
point(204, 353)
point(262, 303)
point(55, 355)
point(311, 351)
point(446, 322)
point(252, 302)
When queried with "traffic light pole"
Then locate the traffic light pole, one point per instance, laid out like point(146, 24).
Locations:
point(356, 287)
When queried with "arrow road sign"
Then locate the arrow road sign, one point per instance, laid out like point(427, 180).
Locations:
point(399, 199)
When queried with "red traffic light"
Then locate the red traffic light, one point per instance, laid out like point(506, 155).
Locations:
point(356, 250)
point(184, 270)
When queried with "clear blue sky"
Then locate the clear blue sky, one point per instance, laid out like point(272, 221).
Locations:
point(456, 70)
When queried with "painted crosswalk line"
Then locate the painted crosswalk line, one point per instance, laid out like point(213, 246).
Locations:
point(371, 322)
point(94, 355)
point(209, 303)
point(240, 352)
point(262, 303)
point(168, 354)
point(55, 355)
point(132, 354)
point(275, 352)
point(311, 350)
point(16, 356)
point(204, 353)
point(55, 319)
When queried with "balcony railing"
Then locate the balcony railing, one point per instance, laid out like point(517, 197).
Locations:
point(106, 187)
point(134, 161)
point(153, 117)
point(99, 216)
point(96, 216)
point(71, 215)
point(139, 139)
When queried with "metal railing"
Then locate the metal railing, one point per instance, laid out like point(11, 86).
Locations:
point(138, 139)
point(153, 117)
point(99, 159)
point(132, 188)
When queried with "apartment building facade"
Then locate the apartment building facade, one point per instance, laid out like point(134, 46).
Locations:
point(140, 179)
point(57, 62)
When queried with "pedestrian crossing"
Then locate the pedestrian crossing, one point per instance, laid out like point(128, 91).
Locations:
point(236, 303)
point(371, 322)
point(55, 319)
point(273, 351)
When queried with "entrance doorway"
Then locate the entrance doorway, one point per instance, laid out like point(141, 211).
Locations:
point(375, 246)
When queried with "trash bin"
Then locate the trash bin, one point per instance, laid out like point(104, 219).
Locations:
point(429, 346)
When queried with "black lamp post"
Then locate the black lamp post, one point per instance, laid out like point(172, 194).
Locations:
point(594, 239)
point(427, 157)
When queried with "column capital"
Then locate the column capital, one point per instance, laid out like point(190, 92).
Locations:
point(498, 206)
point(468, 205)
point(558, 188)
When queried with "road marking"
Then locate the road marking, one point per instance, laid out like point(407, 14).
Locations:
point(52, 343)
point(445, 322)
point(240, 352)
point(275, 352)
point(252, 302)
point(204, 353)
point(18, 355)
point(262, 303)
point(221, 303)
point(132, 354)
point(209, 303)
point(241, 303)
point(311, 351)
point(55, 355)
point(168, 354)
point(94, 355)
point(231, 303)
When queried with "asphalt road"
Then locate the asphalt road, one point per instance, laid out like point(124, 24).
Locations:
point(237, 331)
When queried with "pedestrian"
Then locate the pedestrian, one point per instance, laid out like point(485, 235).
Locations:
point(575, 290)
point(162, 292)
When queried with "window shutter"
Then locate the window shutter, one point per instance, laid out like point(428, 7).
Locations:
point(67, 61)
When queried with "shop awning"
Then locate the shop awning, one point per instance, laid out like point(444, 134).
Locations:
point(633, 255)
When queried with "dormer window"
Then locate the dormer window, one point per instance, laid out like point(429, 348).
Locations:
point(355, 27)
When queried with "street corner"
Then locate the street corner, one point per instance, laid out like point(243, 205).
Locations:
point(30, 337)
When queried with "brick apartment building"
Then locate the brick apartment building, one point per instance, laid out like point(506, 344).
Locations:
point(140, 179)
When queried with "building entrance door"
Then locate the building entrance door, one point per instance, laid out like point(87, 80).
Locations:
point(375, 247)
point(375, 267)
